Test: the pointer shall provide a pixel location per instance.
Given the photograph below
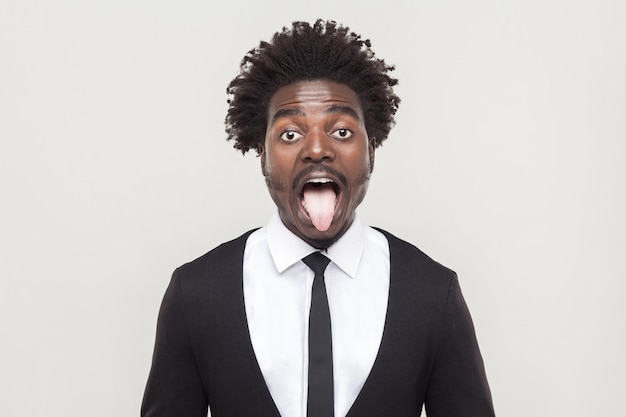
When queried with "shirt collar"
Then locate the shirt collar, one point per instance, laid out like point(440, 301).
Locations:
point(286, 248)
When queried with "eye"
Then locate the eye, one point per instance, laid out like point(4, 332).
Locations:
point(341, 134)
point(290, 135)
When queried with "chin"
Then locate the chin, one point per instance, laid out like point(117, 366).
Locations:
point(322, 239)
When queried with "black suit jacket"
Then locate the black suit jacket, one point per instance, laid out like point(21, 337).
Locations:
point(203, 354)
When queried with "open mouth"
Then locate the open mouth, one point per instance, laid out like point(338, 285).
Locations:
point(319, 199)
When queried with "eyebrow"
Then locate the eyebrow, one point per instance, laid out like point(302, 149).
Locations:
point(285, 113)
point(343, 109)
point(298, 112)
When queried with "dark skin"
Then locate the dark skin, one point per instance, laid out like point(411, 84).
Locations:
point(316, 132)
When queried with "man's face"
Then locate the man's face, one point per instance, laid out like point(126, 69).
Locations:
point(317, 158)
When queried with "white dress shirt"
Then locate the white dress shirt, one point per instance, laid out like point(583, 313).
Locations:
point(277, 292)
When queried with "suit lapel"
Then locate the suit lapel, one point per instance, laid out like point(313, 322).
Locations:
point(235, 385)
point(395, 385)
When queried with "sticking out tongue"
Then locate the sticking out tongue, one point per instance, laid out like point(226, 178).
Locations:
point(319, 202)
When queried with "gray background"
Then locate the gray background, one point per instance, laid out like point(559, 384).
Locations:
point(507, 164)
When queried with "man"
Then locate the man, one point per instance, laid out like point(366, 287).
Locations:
point(261, 327)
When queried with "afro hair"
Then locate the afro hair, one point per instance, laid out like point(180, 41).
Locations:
point(323, 51)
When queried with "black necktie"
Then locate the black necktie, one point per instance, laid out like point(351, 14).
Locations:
point(320, 398)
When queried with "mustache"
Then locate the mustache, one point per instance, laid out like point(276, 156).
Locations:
point(318, 168)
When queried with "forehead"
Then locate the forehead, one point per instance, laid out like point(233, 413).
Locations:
point(314, 94)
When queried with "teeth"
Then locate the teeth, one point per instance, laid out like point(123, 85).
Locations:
point(320, 180)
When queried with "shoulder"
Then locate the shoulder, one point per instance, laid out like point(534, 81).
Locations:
point(225, 258)
point(407, 259)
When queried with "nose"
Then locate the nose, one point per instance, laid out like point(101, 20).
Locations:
point(317, 147)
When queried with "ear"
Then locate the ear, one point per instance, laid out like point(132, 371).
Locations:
point(372, 152)
point(261, 153)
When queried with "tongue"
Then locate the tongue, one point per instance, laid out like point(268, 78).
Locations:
point(319, 202)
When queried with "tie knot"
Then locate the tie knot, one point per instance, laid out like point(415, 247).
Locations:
point(317, 262)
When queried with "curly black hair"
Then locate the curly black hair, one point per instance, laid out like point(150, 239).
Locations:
point(324, 51)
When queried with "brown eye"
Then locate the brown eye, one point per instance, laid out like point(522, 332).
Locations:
point(341, 134)
point(290, 136)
